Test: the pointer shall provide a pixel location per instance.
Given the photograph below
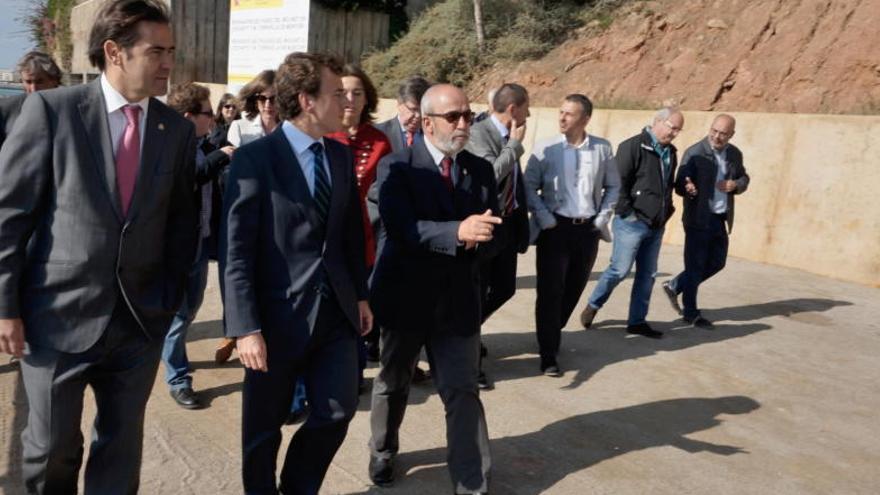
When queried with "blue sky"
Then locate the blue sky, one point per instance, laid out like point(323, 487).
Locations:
point(14, 41)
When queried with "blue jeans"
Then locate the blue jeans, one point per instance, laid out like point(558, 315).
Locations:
point(174, 349)
point(634, 241)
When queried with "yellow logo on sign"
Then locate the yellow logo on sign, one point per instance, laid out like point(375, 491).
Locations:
point(255, 4)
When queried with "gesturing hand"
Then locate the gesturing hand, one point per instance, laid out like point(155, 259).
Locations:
point(478, 228)
point(689, 187)
point(726, 185)
point(252, 351)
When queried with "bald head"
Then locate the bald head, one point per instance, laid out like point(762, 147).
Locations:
point(446, 118)
point(722, 129)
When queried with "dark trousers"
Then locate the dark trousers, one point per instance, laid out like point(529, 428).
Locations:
point(329, 368)
point(121, 369)
point(498, 277)
point(705, 254)
point(565, 255)
point(453, 360)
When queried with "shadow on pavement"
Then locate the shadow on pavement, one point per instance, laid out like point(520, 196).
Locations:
point(532, 463)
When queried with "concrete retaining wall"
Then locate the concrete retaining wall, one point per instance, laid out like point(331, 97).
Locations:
point(813, 202)
point(814, 198)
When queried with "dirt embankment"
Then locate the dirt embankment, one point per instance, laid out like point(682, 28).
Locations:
point(802, 56)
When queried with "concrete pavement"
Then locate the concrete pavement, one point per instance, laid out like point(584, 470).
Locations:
point(781, 398)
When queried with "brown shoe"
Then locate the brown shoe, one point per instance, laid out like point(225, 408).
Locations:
point(587, 316)
point(224, 351)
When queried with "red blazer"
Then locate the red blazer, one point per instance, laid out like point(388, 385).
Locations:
point(367, 145)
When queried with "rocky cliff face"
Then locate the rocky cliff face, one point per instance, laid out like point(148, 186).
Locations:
point(803, 56)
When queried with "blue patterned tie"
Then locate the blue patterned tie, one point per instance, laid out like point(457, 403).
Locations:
point(321, 194)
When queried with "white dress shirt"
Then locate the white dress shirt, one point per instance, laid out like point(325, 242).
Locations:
point(580, 175)
point(114, 102)
point(300, 143)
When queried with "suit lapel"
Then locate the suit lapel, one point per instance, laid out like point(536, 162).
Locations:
point(339, 172)
point(421, 158)
point(93, 112)
point(155, 140)
point(290, 174)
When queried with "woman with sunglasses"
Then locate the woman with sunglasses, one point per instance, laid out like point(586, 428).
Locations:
point(260, 113)
point(227, 112)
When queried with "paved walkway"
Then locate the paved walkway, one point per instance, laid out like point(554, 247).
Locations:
point(783, 397)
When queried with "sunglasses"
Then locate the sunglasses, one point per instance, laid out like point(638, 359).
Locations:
point(453, 117)
point(264, 99)
point(228, 107)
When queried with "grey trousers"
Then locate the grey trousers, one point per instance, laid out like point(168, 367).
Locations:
point(120, 368)
point(454, 367)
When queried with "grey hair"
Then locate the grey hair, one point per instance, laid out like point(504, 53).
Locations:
point(425, 104)
point(665, 112)
point(36, 62)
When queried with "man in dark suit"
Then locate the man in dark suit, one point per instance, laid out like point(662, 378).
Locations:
point(38, 71)
point(296, 284)
point(711, 174)
point(498, 139)
point(439, 206)
point(97, 221)
point(193, 101)
point(405, 128)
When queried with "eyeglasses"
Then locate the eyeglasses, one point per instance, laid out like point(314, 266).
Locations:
point(672, 127)
point(453, 117)
point(228, 107)
point(720, 133)
point(264, 99)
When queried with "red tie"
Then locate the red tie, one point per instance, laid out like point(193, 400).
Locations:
point(409, 139)
point(446, 172)
point(128, 156)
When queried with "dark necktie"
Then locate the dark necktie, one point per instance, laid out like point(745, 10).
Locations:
point(508, 188)
point(446, 172)
point(321, 193)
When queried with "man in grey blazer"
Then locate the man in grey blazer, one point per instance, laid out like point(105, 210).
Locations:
point(498, 140)
point(572, 185)
point(405, 128)
point(97, 230)
point(38, 71)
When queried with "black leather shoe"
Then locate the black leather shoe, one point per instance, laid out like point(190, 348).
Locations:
point(587, 316)
point(553, 370)
point(644, 330)
point(700, 322)
point(186, 398)
point(483, 381)
point(381, 471)
point(672, 296)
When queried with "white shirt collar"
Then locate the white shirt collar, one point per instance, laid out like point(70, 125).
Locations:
point(114, 100)
point(584, 145)
point(299, 140)
point(502, 129)
point(436, 154)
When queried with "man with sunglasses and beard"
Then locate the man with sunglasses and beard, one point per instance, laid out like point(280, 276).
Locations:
point(439, 205)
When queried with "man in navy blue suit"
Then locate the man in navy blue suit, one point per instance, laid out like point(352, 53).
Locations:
point(439, 205)
point(296, 290)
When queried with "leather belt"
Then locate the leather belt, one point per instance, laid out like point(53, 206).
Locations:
point(574, 221)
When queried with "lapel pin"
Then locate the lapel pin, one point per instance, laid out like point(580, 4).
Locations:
point(161, 126)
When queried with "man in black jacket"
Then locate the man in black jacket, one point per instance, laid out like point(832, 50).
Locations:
point(193, 102)
point(711, 173)
point(647, 164)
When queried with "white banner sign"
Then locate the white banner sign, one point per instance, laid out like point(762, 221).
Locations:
point(261, 33)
